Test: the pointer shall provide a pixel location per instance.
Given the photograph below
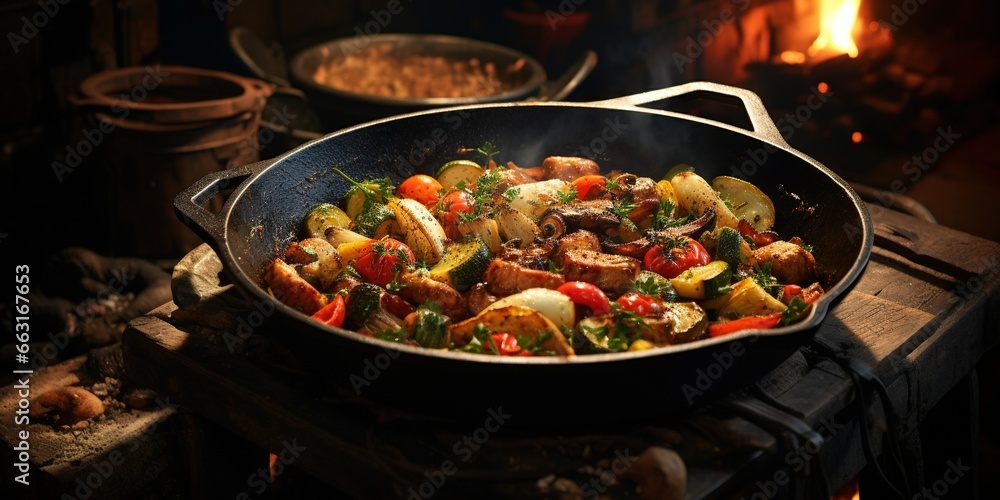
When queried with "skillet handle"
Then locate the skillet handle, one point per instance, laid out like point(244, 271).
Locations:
point(188, 204)
point(763, 126)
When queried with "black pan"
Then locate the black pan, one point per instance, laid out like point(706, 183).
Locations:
point(269, 199)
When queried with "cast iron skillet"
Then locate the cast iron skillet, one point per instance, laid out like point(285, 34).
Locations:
point(269, 199)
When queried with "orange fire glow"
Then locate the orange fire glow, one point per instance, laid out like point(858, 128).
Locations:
point(837, 20)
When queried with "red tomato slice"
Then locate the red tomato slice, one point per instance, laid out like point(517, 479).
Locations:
point(422, 188)
point(379, 260)
point(586, 294)
point(671, 262)
point(333, 313)
point(643, 305)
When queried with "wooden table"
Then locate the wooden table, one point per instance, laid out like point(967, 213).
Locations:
point(919, 318)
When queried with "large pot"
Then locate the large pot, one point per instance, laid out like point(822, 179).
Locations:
point(270, 198)
point(341, 106)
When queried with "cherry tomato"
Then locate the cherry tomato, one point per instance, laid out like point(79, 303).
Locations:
point(453, 204)
point(761, 321)
point(422, 188)
point(641, 304)
point(671, 262)
point(379, 260)
point(586, 294)
point(589, 187)
point(333, 313)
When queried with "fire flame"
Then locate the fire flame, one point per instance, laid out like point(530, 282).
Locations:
point(837, 19)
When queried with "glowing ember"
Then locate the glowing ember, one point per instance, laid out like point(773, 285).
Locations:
point(857, 137)
point(837, 19)
point(822, 87)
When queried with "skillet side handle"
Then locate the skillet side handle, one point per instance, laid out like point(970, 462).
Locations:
point(763, 126)
point(188, 204)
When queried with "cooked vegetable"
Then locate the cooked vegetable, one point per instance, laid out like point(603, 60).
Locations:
point(333, 313)
point(748, 298)
point(747, 201)
point(516, 320)
point(429, 328)
point(674, 256)
point(455, 207)
point(380, 260)
point(372, 218)
point(463, 264)
point(514, 225)
point(587, 295)
point(363, 310)
point(731, 247)
point(534, 198)
point(422, 188)
point(554, 305)
point(690, 321)
point(459, 172)
point(483, 229)
point(695, 196)
point(745, 323)
point(421, 230)
point(321, 217)
point(703, 282)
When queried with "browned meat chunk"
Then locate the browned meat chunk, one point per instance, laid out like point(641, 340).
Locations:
point(421, 289)
point(507, 278)
point(790, 263)
point(288, 287)
point(479, 298)
point(578, 240)
point(607, 271)
point(534, 256)
point(568, 168)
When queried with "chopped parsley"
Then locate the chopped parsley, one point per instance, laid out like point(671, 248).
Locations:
point(568, 196)
point(511, 193)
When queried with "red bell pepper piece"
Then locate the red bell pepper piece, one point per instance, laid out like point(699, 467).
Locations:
point(333, 313)
point(747, 323)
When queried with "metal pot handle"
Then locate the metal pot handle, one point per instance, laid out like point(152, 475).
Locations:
point(188, 204)
point(761, 121)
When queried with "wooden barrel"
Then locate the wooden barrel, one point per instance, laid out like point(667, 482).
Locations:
point(162, 128)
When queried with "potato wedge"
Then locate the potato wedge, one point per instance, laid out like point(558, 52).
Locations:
point(695, 196)
point(516, 320)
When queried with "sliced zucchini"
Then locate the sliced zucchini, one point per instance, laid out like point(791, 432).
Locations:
point(356, 199)
point(371, 218)
point(703, 282)
point(655, 284)
point(748, 299)
point(463, 264)
point(453, 172)
point(592, 335)
point(748, 202)
point(321, 217)
point(729, 246)
point(421, 230)
point(690, 321)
